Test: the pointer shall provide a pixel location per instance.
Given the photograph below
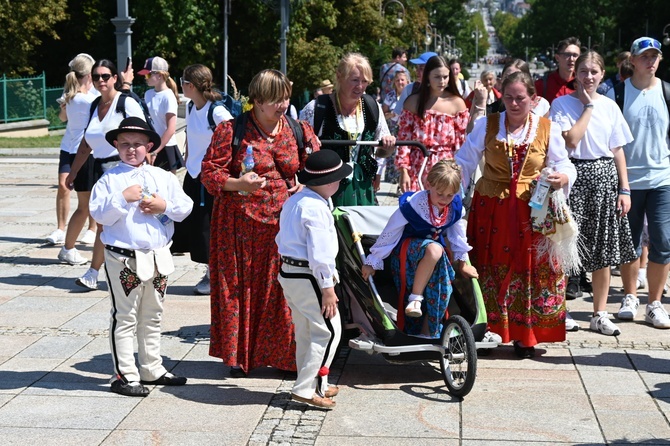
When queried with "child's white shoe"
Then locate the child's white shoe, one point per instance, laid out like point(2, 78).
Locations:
point(413, 309)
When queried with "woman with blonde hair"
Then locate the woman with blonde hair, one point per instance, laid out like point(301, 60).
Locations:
point(162, 101)
point(251, 321)
point(192, 234)
point(348, 113)
point(75, 105)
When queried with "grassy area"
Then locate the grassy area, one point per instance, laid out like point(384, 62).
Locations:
point(32, 142)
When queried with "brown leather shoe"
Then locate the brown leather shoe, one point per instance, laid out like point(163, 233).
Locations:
point(315, 401)
point(332, 391)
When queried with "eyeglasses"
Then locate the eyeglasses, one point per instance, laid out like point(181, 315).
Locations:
point(105, 77)
point(150, 73)
point(184, 81)
point(569, 55)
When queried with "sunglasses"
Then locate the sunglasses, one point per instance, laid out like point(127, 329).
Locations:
point(568, 55)
point(150, 73)
point(647, 44)
point(105, 77)
point(184, 81)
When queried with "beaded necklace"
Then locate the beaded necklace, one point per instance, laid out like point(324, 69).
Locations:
point(435, 219)
point(359, 114)
point(512, 153)
point(270, 137)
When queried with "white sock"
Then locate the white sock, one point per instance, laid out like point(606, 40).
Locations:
point(413, 297)
point(94, 273)
point(642, 274)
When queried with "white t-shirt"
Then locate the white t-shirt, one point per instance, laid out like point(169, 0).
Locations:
point(78, 111)
point(606, 129)
point(160, 103)
point(648, 156)
point(199, 135)
point(96, 131)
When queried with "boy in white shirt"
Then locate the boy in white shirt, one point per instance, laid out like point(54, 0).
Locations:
point(137, 203)
point(308, 245)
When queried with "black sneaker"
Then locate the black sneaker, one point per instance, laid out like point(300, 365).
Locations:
point(129, 389)
point(572, 291)
point(166, 380)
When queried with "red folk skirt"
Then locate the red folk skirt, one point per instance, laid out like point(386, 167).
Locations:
point(523, 294)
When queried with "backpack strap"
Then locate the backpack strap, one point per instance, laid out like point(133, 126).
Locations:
point(619, 91)
point(121, 104)
point(210, 114)
point(94, 104)
point(239, 125)
point(666, 96)
point(296, 128)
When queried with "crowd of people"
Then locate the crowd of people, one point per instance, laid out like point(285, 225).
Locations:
point(253, 205)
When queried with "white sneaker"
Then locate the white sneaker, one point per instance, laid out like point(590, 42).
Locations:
point(57, 237)
point(570, 323)
point(602, 324)
point(656, 315)
point(88, 280)
point(202, 287)
point(88, 238)
point(628, 309)
point(71, 256)
point(615, 271)
point(490, 336)
point(641, 283)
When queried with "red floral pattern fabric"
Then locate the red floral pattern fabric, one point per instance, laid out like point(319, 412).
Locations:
point(442, 135)
point(251, 323)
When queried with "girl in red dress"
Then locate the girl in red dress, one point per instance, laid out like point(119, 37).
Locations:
point(437, 117)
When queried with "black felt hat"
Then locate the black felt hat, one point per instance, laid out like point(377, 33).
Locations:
point(134, 125)
point(323, 167)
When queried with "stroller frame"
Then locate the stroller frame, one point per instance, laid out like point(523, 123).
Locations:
point(363, 308)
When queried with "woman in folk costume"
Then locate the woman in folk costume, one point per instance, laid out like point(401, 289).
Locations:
point(523, 286)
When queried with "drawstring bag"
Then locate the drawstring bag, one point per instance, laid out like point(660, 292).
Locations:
point(561, 234)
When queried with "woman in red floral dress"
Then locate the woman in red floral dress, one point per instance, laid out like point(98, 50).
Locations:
point(437, 117)
point(251, 322)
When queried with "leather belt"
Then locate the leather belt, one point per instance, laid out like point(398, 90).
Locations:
point(295, 262)
point(122, 251)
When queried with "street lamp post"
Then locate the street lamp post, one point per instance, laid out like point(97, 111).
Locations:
point(400, 16)
point(226, 13)
point(476, 35)
point(525, 37)
point(666, 35)
point(429, 37)
point(122, 22)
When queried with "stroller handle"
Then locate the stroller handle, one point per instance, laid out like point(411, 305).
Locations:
point(350, 142)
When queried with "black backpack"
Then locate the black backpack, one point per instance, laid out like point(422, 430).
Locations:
point(620, 92)
point(240, 124)
point(121, 107)
point(233, 106)
point(323, 100)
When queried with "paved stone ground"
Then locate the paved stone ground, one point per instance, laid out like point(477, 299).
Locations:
point(55, 366)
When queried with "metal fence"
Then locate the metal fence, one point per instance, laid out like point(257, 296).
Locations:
point(22, 99)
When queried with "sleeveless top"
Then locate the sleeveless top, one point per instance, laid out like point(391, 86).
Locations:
point(497, 174)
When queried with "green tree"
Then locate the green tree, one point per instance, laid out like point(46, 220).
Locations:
point(23, 25)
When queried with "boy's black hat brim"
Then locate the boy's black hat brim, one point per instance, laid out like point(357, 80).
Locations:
point(134, 125)
point(312, 179)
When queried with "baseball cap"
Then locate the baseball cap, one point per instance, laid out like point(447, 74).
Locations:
point(422, 59)
point(154, 64)
point(643, 44)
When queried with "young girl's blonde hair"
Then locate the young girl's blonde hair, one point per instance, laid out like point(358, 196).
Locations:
point(445, 175)
point(170, 83)
point(80, 67)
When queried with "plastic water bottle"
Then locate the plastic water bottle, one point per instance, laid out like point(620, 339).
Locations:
point(247, 165)
point(542, 189)
point(164, 219)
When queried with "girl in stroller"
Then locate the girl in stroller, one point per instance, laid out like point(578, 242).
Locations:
point(414, 237)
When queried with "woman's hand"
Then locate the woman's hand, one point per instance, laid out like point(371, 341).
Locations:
point(557, 180)
point(623, 204)
point(251, 182)
point(582, 95)
point(367, 271)
point(468, 271)
point(69, 180)
point(480, 96)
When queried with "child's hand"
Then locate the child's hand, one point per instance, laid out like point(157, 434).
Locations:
point(367, 271)
point(469, 271)
point(133, 193)
point(328, 302)
point(153, 205)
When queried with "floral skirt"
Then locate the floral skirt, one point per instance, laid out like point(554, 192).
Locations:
point(524, 294)
point(435, 296)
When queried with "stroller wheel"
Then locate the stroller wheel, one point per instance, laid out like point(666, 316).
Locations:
point(459, 362)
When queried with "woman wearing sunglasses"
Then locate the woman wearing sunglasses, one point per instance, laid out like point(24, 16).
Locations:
point(85, 171)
